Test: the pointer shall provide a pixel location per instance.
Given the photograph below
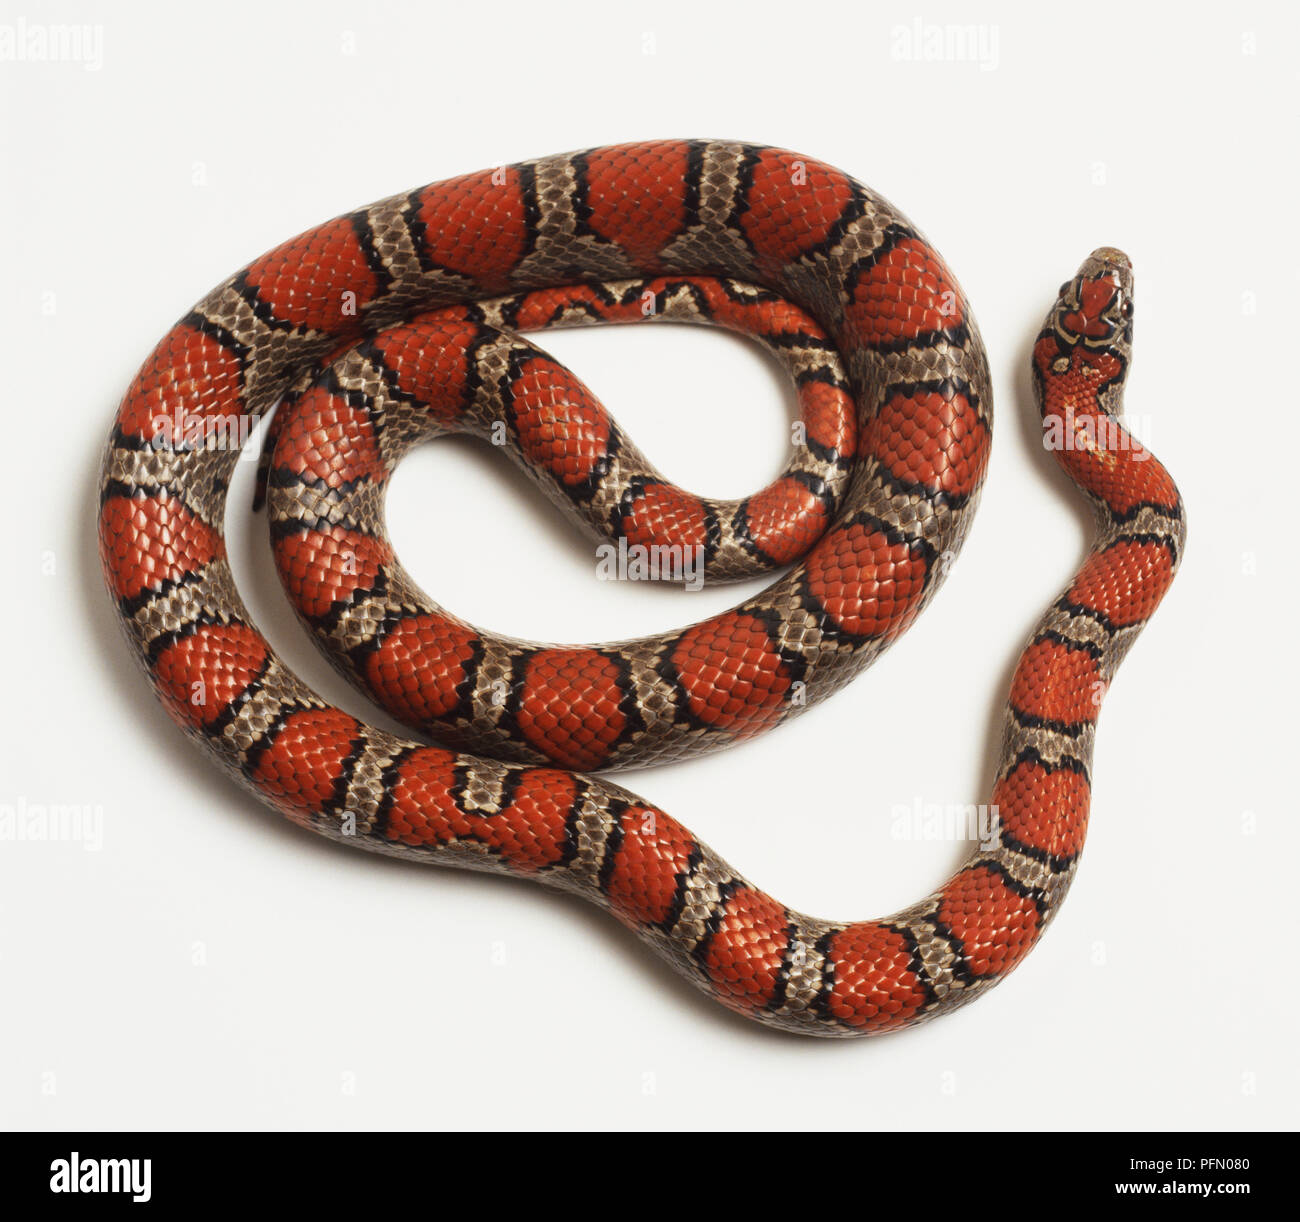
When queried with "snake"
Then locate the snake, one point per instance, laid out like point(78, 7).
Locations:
point(408, 320)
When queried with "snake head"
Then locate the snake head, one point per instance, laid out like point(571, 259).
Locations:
point(1089, 332)
point(1095, 309)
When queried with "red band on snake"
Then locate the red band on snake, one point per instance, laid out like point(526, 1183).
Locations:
point(403, 321)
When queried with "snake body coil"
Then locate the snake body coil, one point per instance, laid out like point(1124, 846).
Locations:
point(403, 320)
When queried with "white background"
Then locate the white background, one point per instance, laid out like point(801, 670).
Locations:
point(210, 966)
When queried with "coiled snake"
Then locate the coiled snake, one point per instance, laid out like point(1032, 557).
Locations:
point(402, 321)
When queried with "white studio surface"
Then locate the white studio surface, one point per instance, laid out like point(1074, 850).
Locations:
point(199, 963)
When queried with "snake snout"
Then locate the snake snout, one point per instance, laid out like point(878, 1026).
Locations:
point(1109, 263)
point(1112, 255)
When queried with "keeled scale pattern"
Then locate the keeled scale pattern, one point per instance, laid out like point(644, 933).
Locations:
point(502, 250)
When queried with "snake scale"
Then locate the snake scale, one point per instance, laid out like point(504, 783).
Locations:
point(405, 320)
